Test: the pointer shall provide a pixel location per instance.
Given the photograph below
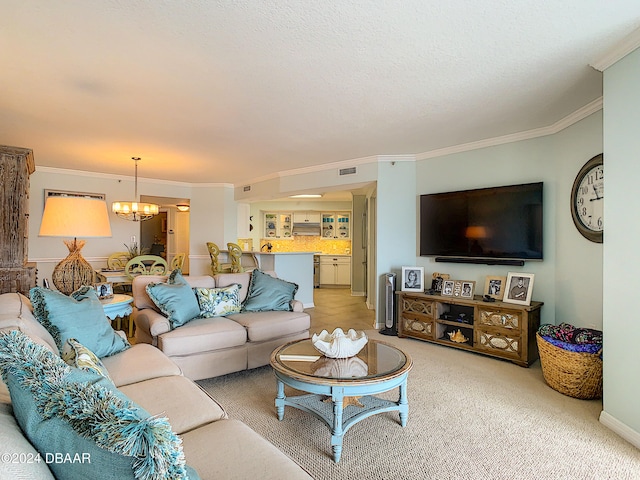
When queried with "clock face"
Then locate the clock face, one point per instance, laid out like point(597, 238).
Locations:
point(588, 200)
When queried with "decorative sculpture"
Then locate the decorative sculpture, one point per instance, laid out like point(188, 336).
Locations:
point(338, 344)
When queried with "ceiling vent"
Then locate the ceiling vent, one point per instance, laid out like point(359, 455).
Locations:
point(347, 171)
point(246, 188)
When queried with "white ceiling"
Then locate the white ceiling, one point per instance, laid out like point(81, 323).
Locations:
point(231, 91)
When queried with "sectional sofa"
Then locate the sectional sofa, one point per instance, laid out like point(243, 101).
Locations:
point(222, 344)
point(142, 379)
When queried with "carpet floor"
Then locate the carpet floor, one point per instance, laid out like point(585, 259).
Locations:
point(470, 417)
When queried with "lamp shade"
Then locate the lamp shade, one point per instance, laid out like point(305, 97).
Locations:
point(75, 217)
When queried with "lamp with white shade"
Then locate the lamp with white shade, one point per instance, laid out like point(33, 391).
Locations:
point(75, 217)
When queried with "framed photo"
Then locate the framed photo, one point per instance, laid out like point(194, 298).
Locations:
point(413, 279)
point(104, 290)
point(467, 289)
point(519, 288)
point(447, 288)
point(437, 279)
point(494, 286)
point(65, 193)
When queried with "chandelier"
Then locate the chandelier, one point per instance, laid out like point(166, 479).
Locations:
point(135, 210)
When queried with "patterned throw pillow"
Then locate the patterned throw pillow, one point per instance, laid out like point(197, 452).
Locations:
point(79, 356)
point(218, 302)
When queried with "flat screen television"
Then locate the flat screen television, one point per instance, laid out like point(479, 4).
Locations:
point(499, 223)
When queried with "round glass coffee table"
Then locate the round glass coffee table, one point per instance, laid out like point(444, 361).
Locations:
point(341, 390)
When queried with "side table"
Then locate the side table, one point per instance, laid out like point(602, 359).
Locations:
point(118, 307)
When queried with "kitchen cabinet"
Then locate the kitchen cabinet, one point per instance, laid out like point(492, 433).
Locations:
point(335, 270)
point(336, 225)
point(306, 217)
point(277, 225)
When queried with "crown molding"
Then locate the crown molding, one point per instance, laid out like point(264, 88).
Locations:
point(624, 47)
point(110, 176)
point(560, 125)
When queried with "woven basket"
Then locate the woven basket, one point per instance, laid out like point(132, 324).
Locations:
point(575, 374)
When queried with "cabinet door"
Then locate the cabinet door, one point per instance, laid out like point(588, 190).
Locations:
point(284, 225)
point(343, 273)
point(343, 226)
point(328, 225)
point(327, 273)
point(306, 217)
point(270, 225)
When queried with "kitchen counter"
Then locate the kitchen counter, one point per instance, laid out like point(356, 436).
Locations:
point(296, 267)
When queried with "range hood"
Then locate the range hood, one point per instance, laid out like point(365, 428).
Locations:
point(306, 228)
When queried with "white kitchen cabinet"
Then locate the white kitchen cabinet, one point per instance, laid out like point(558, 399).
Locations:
point(306, 217)
point(336, 225)
point(277, 225)
point(335, 270)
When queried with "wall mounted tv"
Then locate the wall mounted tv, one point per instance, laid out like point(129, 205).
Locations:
point(499, 225)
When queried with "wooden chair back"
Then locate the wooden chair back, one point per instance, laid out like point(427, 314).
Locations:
point(146, 265)
point(178, 261)
point(118, 260)
point(235, 253)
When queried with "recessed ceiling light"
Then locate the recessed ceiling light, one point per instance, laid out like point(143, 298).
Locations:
point(306, 195)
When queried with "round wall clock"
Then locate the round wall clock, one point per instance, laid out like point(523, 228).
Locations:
point(587, 200)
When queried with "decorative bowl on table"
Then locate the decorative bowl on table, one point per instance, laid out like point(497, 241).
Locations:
point(338, 344)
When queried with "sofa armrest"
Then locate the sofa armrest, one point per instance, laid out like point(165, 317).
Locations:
point(297, 306)
point(151, 322)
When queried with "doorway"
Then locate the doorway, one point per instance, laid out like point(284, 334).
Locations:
point(167, 234)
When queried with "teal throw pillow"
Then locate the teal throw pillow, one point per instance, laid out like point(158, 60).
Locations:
point(267, 293)
point(80, 423)
point(79, 356)
point(217, 302)
point(78, 316)
point(175, 299)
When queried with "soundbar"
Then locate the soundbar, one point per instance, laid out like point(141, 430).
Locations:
point(486, 261)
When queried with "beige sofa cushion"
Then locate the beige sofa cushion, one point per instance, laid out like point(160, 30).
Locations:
point(14, 443)
point(263, 326)
point(230, 449)
point(202, 335)
point(242, 279)
point(17, 312)
point(138, 363)
point(183, 402)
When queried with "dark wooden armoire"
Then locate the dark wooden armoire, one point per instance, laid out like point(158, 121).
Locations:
point(16, 274)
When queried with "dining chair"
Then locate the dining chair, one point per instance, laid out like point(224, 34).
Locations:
point(216, 266)
point(118, 260)
point(146, 265)
point(235, 253)
point(178, 261)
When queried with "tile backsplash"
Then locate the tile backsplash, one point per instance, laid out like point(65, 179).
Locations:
point(309, 244)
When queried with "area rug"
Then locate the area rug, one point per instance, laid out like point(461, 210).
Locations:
point(470, 417)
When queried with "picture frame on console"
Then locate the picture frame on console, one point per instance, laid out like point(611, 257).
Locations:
point(467, 289)
point(447, 288)
point(413, 279)
point(494, 286)
point(104, 290)
point(519, 288)
point(437, 279)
